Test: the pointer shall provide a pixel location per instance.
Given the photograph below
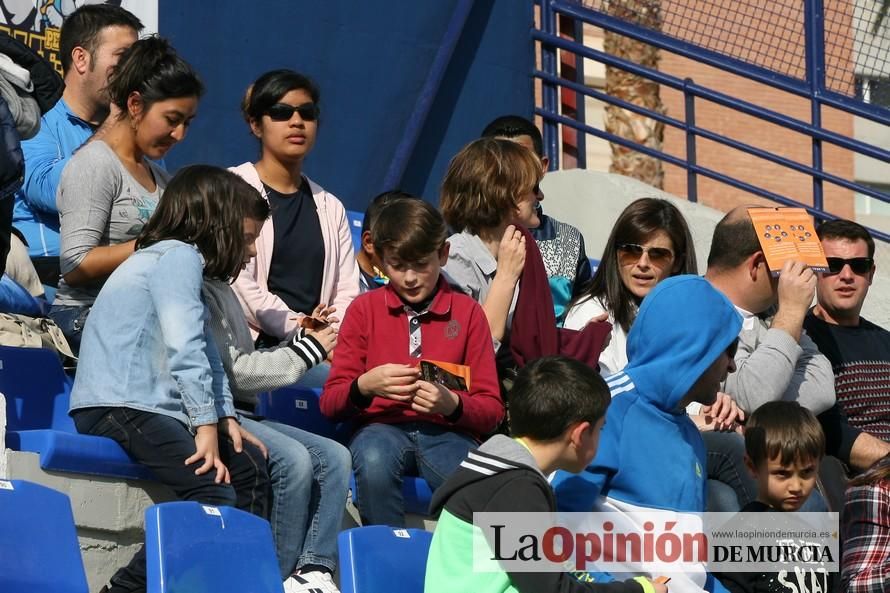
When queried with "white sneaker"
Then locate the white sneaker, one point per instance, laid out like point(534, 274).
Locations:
point(315, 581)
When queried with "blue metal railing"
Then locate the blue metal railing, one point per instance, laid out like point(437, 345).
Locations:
point(813, 88)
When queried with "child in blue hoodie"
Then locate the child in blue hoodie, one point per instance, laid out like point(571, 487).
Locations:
point(651, 455)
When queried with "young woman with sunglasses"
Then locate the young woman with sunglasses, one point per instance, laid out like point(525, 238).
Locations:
point(111, 186)
point(305, 266)
point(649, 242)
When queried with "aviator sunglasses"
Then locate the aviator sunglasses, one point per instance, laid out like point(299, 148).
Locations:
point(631, 252)
point(859, 265)
point(283, 111)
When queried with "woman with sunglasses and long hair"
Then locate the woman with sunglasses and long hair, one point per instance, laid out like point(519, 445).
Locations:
point(649, 242)
point(112, 184)
point(305, 266)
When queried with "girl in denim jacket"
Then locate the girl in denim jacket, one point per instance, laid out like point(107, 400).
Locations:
point(150, 376)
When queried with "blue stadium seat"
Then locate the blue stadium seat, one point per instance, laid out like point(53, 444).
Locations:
point(39, 552)
point(195, 548)
point(298, 406)
point(417, 495)
point(415, 490)
point(355, 225)
point(37, 393)
point(380, 559)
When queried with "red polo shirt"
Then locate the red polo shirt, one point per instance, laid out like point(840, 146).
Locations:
point(375, 331)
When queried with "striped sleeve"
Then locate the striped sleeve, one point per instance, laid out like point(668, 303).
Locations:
point(487, 465)
point(250, 371)
point(308, 349)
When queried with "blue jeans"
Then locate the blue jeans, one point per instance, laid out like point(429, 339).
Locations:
point(315, 377)
point(162, 444)
point(383, 453)
point(70, 320)
point(310, 481)
point(730, 485)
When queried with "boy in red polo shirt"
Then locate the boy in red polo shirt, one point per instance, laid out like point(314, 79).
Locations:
point(409, 426)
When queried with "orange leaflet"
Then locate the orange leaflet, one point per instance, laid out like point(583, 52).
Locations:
point(459, 371)
point(788, 234)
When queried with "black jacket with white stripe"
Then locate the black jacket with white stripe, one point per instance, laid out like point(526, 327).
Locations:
point(502, 476)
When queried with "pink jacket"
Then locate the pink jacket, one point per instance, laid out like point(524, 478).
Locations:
point(339, 280)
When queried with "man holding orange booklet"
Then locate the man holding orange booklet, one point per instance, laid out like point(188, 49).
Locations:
point(776, 359)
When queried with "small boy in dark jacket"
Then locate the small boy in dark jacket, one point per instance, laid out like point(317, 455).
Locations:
point(557, 411)
point(784, 445)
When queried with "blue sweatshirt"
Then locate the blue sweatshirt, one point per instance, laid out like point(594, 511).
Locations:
point(46, 154)
point(651, 455)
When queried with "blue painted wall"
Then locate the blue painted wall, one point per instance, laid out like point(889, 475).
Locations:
point(371, 59)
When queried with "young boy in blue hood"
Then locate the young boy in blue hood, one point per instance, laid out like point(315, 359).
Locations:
point(651, 455)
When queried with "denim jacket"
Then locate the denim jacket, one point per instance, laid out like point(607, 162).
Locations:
point(147, 344)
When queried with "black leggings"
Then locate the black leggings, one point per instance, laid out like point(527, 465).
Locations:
point(162, 444)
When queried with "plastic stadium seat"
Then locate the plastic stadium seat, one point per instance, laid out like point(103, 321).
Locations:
point(380, 559)
point(298, 406)
point(195, 548)
point(417, 495)
point(37, 395)
point(355, 226)
point(415, 490)
point(39, 552)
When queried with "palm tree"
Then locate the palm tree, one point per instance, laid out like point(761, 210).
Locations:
point(637, 90)
point(882, 14)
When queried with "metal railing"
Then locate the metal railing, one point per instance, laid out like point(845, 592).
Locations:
point(807, 80)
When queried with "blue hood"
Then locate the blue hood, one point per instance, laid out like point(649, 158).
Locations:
point(650, 453)
point(664, 358)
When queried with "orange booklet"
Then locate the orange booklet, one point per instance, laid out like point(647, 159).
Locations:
point(788, 233)
point(451, 375)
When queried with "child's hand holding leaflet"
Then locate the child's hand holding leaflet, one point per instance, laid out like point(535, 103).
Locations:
point(447, 378)
point(453, 376)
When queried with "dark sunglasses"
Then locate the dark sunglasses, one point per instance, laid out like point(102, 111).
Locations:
point(859, 265)
point(283, 111)
point(657, 255)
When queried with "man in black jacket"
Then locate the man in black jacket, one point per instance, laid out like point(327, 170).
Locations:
point(48, 87)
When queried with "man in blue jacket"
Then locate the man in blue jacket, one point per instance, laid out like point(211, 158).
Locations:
point(91, 41)
point(651, 455)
